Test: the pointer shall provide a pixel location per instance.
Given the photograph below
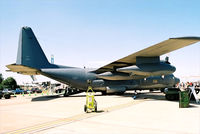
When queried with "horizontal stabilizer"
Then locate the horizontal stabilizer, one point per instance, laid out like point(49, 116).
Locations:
point(23, 69)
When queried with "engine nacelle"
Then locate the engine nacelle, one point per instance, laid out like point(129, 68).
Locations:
point(149, 69)
point(114, 76)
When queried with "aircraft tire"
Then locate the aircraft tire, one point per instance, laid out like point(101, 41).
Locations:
point(104, 93)
point(96, 108)
point(162, 90)
point(120, 93)
point(85, 108)
point(170, 97)
point(150, 90)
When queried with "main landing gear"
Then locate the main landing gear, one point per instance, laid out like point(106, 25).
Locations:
point(71, 91)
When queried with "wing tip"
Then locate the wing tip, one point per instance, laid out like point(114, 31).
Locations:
point(188, 38)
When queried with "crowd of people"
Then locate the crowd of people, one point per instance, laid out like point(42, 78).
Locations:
point(189, 84)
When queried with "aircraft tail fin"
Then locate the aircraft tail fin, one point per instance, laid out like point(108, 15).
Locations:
point(30, 56)
point(30, 53)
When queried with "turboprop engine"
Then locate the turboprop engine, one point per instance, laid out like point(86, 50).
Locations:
point(139, 71)
point(118, 76)
point(149, 69)
point(114, 76)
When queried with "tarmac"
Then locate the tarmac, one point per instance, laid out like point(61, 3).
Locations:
point(148, 113)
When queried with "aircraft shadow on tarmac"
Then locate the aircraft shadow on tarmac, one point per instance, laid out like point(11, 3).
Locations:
point(154, 96)
point(45, 98)
point(139, 96)
point(146, 95)
point(51, 97)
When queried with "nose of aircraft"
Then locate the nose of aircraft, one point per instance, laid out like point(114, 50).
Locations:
point(173, 68)
point(177, 80)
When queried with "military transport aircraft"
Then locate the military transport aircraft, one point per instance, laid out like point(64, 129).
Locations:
point(138, 71)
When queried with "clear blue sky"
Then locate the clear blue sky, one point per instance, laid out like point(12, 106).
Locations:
point(96, 32)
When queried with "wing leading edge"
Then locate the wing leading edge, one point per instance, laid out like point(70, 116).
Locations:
point(152, 51)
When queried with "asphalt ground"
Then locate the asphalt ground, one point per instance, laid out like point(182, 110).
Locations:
point(54, 114)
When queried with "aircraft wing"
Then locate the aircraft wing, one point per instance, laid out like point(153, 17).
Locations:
point(152, 51)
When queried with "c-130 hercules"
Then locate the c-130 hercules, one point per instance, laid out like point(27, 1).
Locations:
point(138, 71)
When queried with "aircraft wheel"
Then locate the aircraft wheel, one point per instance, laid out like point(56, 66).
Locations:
point(162, 90)
point(104, 93)
point(85, 108)
point(120, 93)
point(170, 97)
point(95, 108)
point(150, 90)
point(95, 105)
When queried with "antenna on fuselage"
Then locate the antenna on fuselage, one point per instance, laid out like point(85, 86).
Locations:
point(52, 59)
point(167, 60)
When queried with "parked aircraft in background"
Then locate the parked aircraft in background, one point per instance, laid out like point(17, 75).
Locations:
point(138, 71)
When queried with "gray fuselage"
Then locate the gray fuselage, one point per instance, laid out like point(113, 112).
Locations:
point(78, 78)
